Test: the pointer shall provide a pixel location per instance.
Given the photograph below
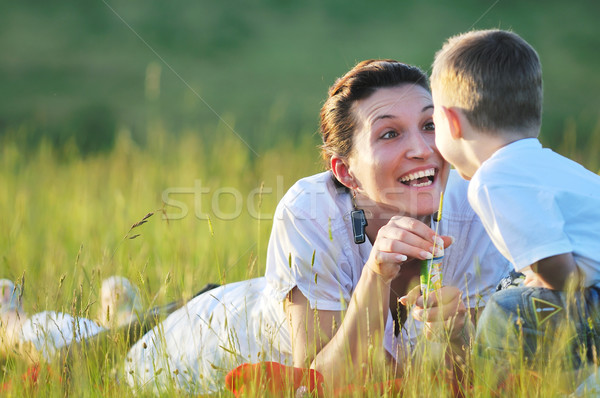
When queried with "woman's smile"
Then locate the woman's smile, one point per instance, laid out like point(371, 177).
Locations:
point(419, 178)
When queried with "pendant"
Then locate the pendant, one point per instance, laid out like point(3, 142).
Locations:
point(359, 222)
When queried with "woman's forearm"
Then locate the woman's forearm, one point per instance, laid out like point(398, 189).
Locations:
point(363, 326)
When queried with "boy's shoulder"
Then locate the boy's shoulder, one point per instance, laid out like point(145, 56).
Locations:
point(507, 164)
point(526, 161)
point(516, 162)
point(526, 166)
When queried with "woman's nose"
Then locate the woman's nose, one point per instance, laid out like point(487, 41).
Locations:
point(419, 146)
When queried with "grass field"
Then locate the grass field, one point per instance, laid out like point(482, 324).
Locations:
point(205, 119)
point(66, 226)
point(68, 218)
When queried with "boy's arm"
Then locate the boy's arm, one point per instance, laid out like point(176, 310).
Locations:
point(555, 271)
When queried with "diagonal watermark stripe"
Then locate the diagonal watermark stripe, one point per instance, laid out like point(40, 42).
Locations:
point(484, 14)
point(232, 264)
point(180, 78)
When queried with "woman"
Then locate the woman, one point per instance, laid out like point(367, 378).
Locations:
point(378, 144)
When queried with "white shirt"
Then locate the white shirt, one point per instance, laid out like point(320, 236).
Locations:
point(197, 345)
point(312, 247)
point(535, 203)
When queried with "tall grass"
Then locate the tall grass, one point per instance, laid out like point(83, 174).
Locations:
point(66, 222)
point(66, 217)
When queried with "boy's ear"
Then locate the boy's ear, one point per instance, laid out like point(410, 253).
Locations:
point(455, 123)
point(341, 171)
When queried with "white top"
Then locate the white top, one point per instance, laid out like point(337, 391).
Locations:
point(535, 203)
point(198, 344)
point(312, 247)
point(49, 331)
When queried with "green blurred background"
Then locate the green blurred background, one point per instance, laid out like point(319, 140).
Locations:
point(77, 71)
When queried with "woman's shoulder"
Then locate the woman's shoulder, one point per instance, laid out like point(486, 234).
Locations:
point(456, 202)
point(316, 195)
point(39, 325)
point(319, 184)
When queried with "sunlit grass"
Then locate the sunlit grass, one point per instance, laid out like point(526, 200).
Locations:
point(66, 223)
point(66, 219)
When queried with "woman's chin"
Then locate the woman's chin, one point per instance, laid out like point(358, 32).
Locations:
point(428, 202)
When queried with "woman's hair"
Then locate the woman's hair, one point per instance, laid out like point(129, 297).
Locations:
point(337, 120)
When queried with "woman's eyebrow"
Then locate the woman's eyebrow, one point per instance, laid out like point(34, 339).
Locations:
point(386, 116)
point(390, 116)
point(376, 119)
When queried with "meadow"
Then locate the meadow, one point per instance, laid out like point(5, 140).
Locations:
point(67, 224)
point(68, 218)
point(203, 116)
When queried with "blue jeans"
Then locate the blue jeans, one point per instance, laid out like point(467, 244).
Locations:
point(538, 322)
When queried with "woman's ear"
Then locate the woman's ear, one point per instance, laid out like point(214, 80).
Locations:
point(341, 171)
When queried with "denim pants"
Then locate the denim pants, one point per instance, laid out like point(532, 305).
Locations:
point(539, 323)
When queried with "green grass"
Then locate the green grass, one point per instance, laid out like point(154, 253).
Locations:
point(68, 213)
point(75, 79)
point(67, 221)
point(67, 218)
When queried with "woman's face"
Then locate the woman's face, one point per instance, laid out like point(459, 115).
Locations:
point(394, 161)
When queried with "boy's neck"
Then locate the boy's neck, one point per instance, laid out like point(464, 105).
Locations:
point(483, 145)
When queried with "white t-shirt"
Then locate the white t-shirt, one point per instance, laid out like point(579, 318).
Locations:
point(312, 247)
point(535, 203)
point(49, 331)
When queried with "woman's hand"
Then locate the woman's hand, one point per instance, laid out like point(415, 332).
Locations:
point(399, 239)
point(443, 312)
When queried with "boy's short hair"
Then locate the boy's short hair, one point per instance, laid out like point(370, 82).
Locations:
point(495, 77)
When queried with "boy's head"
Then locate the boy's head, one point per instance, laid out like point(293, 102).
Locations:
point(493, 78)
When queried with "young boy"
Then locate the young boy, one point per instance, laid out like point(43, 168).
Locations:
point(541, 210)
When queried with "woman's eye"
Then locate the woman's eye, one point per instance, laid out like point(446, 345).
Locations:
point(389, 134)
point(429, 126)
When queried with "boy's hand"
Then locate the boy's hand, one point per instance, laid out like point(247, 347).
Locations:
point(443, 313)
